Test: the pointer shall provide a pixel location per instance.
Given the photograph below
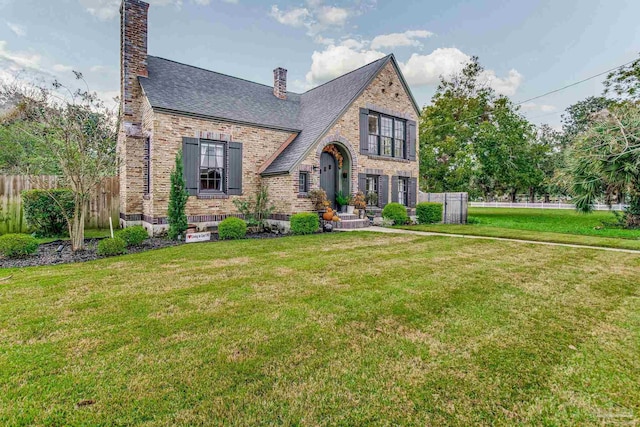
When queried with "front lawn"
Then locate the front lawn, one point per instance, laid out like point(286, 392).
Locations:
point(334, 329)
point(548, 225)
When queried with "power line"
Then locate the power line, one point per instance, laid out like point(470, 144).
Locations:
point(545, 94)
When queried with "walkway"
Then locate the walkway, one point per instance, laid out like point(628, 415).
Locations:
point(506, 239)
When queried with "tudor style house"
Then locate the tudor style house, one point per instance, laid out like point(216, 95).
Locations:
point(354, 133)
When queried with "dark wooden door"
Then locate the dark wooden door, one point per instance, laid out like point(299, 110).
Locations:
point(328, 176)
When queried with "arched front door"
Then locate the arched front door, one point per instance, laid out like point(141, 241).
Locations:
point(328, 172)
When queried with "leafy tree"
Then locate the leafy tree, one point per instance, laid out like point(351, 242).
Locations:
point(577, 117)
point(75, 130)
point(606, 160)
point(448, 128)
point(178, 196)
point(551, 148)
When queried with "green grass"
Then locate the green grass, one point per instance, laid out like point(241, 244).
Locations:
point(334, 329)
point(558, 226)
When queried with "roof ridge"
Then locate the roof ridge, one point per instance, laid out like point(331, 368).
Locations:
point(386, 57)
point(219, 73)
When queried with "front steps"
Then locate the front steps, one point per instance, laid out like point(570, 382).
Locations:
point(347, 222)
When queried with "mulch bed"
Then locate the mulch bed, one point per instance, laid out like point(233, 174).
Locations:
point(48, 252)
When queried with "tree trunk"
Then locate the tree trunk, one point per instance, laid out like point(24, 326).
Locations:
point(513, 196)
point(532, 195)
point(546, 198)
point(76, 228)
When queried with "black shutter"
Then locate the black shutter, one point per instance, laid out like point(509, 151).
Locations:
point(362, 183)
point(411, 136)
point(191, 163)
point(364, 131)
point(413, 192)
point(394, 189)
point(383, 191)
point(234, 174)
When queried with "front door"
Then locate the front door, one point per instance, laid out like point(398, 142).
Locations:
point(328, 177)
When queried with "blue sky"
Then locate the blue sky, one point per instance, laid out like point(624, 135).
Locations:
point(527, 47)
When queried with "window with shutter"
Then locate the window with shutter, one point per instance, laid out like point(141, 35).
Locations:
point(303, 182)
point(386, 136)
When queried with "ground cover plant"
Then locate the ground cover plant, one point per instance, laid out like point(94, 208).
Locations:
point(308, 331)
point(551, 225)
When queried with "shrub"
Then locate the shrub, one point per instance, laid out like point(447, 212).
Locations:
point(305, 223)
point(178, 196)
point(232, 228)
point(112, 246)
point(15, 245)
point(133, 236)
point(46, 216)
point(395, 212)
point(429, 212)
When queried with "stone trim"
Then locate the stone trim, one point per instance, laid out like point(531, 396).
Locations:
point(390, 159)
point(374, 171)
point(378, 109)
point(404, 173)
point(194, 219)
point(305, 168)
point(130, 217)
point(205, 196)
point(215, 136)
point(303, 195)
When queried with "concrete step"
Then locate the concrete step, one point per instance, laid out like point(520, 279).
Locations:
point(346, 216)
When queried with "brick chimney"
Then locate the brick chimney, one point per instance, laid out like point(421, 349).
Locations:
point(133, 60)
point(280, 83)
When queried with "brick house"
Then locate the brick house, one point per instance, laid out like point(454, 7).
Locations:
point(237, 135)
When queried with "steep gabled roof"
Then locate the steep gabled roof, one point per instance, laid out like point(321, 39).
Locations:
point(180, 88)
point(320, 108)
point(176, 87)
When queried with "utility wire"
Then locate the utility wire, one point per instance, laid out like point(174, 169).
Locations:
point(545, 94)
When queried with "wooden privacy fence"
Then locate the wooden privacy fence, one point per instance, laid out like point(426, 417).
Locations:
point(105, 202)
point(454, 205)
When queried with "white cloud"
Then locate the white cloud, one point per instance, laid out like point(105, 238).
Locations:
point(106, 10)
point(506, 85)
point(315, 17)
point(422, 70)
point(231, 1)
point(97, 68)
point(18, 60)
point(408, 38)
point(60, 68)
point(18, 30)
point(332, 16)
point(295, 17)
point(337, 60)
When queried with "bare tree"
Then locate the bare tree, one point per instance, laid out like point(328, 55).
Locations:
point(76, 130)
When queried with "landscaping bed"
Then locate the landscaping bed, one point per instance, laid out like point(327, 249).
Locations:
point(48, 253)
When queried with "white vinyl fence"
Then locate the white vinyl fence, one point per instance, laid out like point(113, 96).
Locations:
point(454, 205)
point(541, 205)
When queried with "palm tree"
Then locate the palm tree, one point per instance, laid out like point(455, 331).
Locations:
point(606, 161)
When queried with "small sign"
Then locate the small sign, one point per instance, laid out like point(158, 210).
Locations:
point(205, 236)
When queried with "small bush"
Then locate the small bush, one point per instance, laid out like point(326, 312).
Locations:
point(305, 223)
point(395, 212)
point(474, 220)
point(46, 215)
point(232, 228)
point(133, 236)
point(429, 212)
point(15, 245)
point(112, 246)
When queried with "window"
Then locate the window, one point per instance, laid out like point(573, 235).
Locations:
point(371, 190)
point(303, 182)
point(211, 167)
point(387, 136)
point(146, 173)
point(374, 134)
point(403, 186)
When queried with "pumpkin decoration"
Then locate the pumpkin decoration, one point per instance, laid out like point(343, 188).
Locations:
point(328, 215)
point(335, 218)
point(333, 150)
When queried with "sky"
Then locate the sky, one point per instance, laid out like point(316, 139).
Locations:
point(527, 47)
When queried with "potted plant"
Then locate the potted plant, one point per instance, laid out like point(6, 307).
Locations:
point(342, 201)
point(319, 199)
point(360, 203)
point(372, 198)
point(350, 205)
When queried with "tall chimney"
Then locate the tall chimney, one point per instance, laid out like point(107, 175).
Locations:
point(280, 83)
point(133, 59)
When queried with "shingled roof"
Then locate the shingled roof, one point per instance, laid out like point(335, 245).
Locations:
point(180, 88)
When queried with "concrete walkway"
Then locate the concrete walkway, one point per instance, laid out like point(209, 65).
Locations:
point(506, 239)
